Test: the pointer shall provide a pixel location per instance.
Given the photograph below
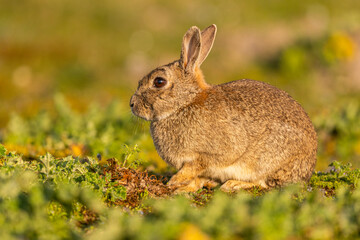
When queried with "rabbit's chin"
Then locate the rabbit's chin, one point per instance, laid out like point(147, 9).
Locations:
point(149, 116)
point(162, 116)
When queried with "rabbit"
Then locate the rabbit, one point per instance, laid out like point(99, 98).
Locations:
point(240, 134)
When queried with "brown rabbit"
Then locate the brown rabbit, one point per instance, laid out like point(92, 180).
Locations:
point(239, 134)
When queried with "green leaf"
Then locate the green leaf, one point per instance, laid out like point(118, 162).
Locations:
point(2, 150)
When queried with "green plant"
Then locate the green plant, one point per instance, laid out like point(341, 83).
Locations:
point(78, 198)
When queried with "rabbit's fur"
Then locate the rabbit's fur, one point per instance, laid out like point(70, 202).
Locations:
point(239, 134)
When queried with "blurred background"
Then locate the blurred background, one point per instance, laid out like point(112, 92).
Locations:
point(68, 68)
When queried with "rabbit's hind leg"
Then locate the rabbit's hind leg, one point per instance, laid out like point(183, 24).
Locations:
point(235, 185)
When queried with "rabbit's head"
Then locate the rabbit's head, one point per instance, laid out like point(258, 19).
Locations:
point(170, 87)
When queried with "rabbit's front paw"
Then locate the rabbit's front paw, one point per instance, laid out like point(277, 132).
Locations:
point(187, 185)
point(178, 181)
point(186, 189)
point(196, 184)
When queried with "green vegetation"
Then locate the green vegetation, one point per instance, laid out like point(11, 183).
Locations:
point(79, 198)
point(75, 164)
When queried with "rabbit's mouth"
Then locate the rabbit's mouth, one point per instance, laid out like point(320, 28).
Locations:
point(139, 108)
point(139, 112)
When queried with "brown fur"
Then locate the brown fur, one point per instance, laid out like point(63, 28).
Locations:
point(241, 134)
point(200, 79)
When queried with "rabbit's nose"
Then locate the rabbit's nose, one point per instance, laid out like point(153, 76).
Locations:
point(132, 101)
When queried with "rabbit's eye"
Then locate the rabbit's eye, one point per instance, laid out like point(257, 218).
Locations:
point(159, 82)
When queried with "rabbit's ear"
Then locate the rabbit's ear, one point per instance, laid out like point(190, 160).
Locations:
point(190, 50)
point(207, 40)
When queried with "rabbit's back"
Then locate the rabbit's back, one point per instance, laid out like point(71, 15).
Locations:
point(261, 103)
